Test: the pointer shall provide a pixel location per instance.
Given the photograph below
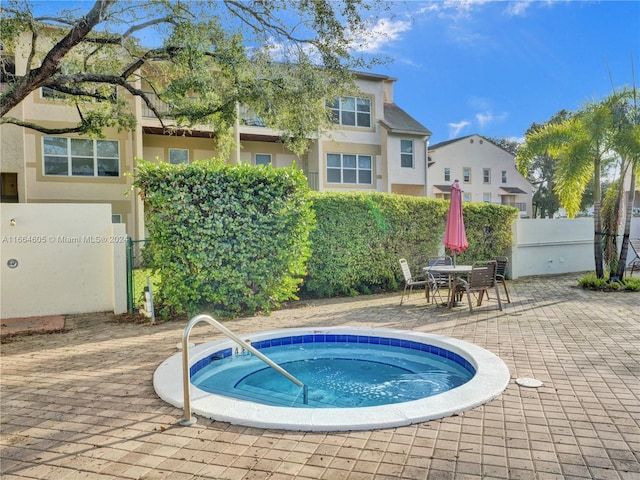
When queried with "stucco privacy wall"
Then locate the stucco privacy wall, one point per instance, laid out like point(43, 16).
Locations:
point(558, 245)
point(67, 258)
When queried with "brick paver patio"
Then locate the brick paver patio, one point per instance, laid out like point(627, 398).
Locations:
point(81, 404)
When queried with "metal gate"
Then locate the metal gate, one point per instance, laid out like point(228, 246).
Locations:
point(136, 279)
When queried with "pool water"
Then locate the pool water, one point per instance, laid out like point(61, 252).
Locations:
point(338, 374)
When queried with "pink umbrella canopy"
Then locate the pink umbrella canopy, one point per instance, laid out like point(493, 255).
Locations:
point(455, 237)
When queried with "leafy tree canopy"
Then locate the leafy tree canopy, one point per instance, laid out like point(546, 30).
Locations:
point(190, 61)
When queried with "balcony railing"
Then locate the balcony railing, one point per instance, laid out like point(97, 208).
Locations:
point(312, 180)
point(248, 117)
point(160, 105)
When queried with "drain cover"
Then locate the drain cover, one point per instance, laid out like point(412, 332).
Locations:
point(529, 382)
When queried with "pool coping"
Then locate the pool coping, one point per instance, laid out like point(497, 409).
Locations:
point(491, 379)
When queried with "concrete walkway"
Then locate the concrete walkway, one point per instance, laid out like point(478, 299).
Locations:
point(81, 404)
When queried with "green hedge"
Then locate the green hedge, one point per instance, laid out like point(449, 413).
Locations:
point(225, 239)
point(361, 236)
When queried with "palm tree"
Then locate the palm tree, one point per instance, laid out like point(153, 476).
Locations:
point(626, 143)
point(581, 146)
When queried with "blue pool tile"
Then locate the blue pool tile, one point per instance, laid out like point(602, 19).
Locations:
point(286, 341)
point(297, 339)
point(374, 340)
point(307, 339)
point(330, 338)
point(319, 338)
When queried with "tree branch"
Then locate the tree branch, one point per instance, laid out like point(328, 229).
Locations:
point(39, 128)
point(51, 62)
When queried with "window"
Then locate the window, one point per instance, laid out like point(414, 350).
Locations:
point(52, 94)
point(466, 175)
point(466, 196)
point(116, 218)
point(263, 159)
point(406, 153)
point(486, 197)
point(178, 156)
point(504, 176)
point(447, 174)
point(80, 157)
point(486, 175)
point(348, 168)
point(352, 111)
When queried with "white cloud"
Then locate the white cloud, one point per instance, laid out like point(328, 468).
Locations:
point(456, 128)
point(380, 34)
point(488, 118)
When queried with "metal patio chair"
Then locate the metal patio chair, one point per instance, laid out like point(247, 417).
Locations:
point(410, 281)
point(501, 271)
point(438, 280)
point(481, 279)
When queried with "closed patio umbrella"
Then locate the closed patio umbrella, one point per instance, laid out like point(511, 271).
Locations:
point(455, 237)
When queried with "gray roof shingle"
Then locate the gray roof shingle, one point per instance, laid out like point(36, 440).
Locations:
point(399, 121)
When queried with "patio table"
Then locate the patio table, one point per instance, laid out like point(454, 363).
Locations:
point(452, 272)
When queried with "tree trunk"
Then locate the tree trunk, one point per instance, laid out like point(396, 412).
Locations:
point(597, 219)
point(624, 248)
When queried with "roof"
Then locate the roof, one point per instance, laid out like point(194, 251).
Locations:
point(443, 188)
point(453, 140)
point(399, 121)
point(447, 142)
point(512, 190)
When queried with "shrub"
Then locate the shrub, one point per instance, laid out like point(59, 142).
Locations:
point(591, 282)
point(361, 236)
point(227, 239)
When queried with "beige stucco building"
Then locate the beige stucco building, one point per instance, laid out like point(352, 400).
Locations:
point(486, 172)
point(375, 146)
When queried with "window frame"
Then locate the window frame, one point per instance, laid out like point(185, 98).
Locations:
point(466, 174)
point(466, 196)
point(171, 150)
point(70, 156)
point(447, 174)
point(486, 197)
point(504, 176)
point(357, 168)
point(255, 159)
point(486, 176)
point(339, 111)
point(404, 155)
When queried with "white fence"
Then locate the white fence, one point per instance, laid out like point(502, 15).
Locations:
point(69, 258)
point(61, 258)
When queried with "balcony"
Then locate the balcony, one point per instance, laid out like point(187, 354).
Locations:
point(248, 117)
point(160, 105)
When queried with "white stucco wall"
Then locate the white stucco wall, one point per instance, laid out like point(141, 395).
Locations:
point(547, 246)
point(70, 259)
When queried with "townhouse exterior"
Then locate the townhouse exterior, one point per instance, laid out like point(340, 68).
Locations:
point(376, 146)
point(486, 172)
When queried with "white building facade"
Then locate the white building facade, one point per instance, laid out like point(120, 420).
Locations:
point(486, 172)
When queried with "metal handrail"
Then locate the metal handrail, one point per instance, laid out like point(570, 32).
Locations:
point(186, 380)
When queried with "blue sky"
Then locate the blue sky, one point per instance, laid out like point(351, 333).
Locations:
point(495, 67)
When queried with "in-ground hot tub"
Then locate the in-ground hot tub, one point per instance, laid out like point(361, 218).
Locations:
point(381, 379)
